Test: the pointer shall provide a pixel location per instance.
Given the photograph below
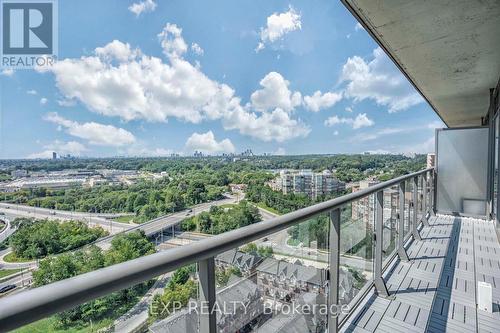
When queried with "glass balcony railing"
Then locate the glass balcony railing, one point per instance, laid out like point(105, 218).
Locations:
point(409, 209)
point(356, 251)
point(322, 260)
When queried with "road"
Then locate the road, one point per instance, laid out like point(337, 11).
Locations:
point(168, 221)
point(150, 228)
point(21, 281)
point(8, 230)
point(48, 212)
point(139, 313)
point(13, 211)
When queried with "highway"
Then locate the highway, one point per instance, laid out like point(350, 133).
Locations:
point(168, 221)
point(21, 281)
point(150, 228)
point(7, 231)
point(48, 212)
point(12, 211)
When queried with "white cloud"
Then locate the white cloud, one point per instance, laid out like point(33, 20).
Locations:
point(436, 124)
point(62, 148)
point(276, 125)
point(348, 109)
point(172, 42)
point(319, 101)
point(278, 25)
point(140, 149)
point(206, 143)
point(336, 133)
point(66, 102)
point(94, 133)
point(395, 130)
point(197, 49)
point(428, 146)
point(334, 120)
point(380, 152)
point(32, 92)
point(378, 133)
point(360, 121)
point(280, 151)
point(119, 81)
point(358, 27)
point(145, 6)
point(117, 50)
point(275, 94)
point(7, 72)
point(141, 87)
point(43, 101)
point(380, 81)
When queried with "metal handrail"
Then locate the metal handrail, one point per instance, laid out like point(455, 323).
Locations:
point(26, 307)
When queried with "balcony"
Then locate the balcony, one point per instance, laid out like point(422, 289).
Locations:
point(417, 271)
point(416, 253)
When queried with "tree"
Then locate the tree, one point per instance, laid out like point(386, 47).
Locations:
point(123, 247)
point(129, 246)
point(36, 239)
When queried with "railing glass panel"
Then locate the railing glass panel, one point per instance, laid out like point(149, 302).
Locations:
point(390, 222)
point(420, 198)
point(409, 209)
point(356, 249)
point(150, 304)
point(172, 304)
point(278, 279)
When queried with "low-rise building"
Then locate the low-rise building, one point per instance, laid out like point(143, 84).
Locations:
point(283, 281)
point(245, 262)
point(18, 173)
point(240, 304)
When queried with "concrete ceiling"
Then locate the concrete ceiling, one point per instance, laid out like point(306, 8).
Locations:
point(448, 49)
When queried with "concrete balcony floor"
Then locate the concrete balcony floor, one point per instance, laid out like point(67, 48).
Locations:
point(436, 290)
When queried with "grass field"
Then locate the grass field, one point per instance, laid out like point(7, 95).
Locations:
point(11, 257)
point(48, 326)
point(227, 206)
point(263, 206)
point(7, 272)
point(125, 219)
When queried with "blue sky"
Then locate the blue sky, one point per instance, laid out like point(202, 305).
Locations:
point(148, 78)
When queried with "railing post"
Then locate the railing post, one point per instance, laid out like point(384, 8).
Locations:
point(208, 318)
point(378, 236)
point(425, 221)
point(333, 284)
point(414, 226)
point(403, 256)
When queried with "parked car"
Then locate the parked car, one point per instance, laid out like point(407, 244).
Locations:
point(6, 288)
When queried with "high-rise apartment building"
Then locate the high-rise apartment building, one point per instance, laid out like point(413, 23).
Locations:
point(431, 160)
point(307, 182)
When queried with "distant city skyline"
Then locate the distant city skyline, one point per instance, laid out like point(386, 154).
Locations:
point(287, 77)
